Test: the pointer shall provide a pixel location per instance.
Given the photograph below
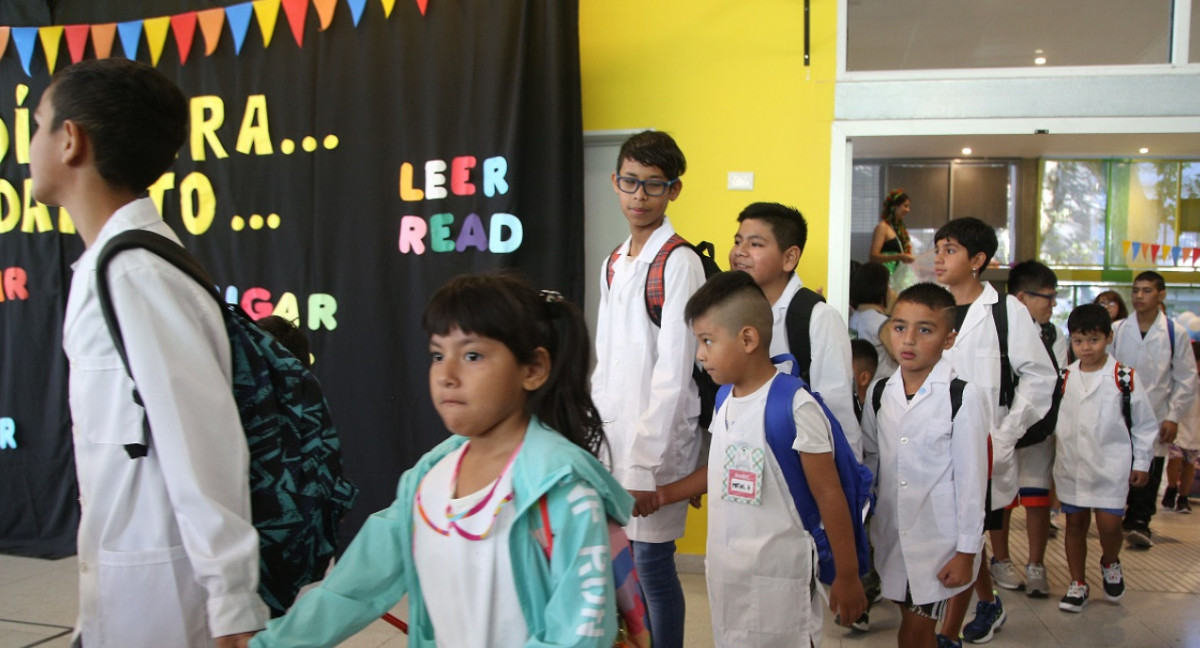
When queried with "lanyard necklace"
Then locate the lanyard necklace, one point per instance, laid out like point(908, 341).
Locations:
point(453, 518)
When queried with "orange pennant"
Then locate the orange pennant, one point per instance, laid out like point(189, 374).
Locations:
point(51, 38)
point(102, 39)
point(388, 5)
point(77, 36)
point(297, 13)
point(184, 27)
point(422, 4)
point(156, 36)
point(267, 12)
point(211, 21)
point(324, 12)
point(3, 40)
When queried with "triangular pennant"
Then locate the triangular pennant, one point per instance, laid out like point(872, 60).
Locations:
point(1126, 245)
point(25, 38)
point(422, 4)
point(1176, 253)
point(297, 13)
point(388, 5)
point(3, 40)
point(156, 36)
point(1137, 247)
point(184, 27)
point(1154, 248)
point(77, 37)
point(356, 9)
point(267, 12)
point(211, 21)
point(1195, 255)
point(324, 9)
point(51, 38)
point(131, 33)
point(239, 23)
point(1166, 252)
point(102, 39)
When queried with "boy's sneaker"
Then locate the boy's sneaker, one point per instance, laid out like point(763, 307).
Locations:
point(1036, 584)
point(1005, 574)
point(863, 624)
point(1140, 537)
point(988, 619)
point(1168, 500)
point(1075, 598)
point(946, 642)
point(1114, 580)
point(1182, 505)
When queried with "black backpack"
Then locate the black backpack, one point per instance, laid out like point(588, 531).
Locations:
point(297, 493)
point(1042, 429)
point(799, 316)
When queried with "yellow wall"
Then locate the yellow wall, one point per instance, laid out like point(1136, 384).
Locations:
point(726, 78)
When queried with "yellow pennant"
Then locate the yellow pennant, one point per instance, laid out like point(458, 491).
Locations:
point(51, 38)
point(156, 36)
point(267, 11)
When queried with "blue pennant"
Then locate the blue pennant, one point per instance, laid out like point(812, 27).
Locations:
point(239, 22)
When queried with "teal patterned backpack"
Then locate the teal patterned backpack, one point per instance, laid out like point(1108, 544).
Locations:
point(297, 493)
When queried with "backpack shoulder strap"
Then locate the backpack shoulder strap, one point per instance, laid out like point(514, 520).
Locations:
point(956, 393)
point(1007, 385)
point(654, 278)
point(1124, 377)
point(609, 266)
point(877, 395)
point(722, 393)
point(1171, 337)
point(796, 323)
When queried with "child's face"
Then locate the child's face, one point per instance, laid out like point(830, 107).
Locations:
point(1040, 303)
point(477, 384)
point(1147, 296)
point(917, 335)
point(953, 265)
point(1089, 347)
point(642, 210)
point(756, 251)
point(720, 351)
point(45, 151)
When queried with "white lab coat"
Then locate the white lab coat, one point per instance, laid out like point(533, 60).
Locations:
point(643, 384)
point(976, 359)
point(167, 553)
point(866, 324)
point(931, 480)
point(1170, 383)
point(1094, 452)
point(831, 373)
point(1189, 428)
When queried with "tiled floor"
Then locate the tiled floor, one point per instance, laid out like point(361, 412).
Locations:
point(1161, 607)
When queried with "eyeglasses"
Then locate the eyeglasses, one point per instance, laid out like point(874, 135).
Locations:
point(1105, 304)
point(1049, 296)
point(652, 188)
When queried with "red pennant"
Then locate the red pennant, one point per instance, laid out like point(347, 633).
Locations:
point(422, 4)
point(1195, 255)
point(1154, 251)
point(296, 12)
point(77, 37)
point(184, 26)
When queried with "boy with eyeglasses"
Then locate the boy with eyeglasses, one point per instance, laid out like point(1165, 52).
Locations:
point(643, 384)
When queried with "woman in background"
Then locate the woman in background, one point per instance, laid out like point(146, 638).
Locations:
point(890, 244)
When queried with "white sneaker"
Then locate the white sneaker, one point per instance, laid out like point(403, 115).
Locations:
point(1036, 584)
point(1114, 580)
point(1005, 574)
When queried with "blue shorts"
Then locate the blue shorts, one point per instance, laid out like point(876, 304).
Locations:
point(1071, 508)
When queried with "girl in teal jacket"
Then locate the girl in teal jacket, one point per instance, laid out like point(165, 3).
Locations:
point(465, 537)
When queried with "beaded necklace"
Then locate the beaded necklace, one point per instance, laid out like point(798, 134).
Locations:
point(453, 518)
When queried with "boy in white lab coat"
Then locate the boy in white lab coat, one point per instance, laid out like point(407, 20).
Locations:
point(930, 463)
point(167, 552)
point(1102, 449)
point(964, 247)
point(643, 384)
point(760, 560)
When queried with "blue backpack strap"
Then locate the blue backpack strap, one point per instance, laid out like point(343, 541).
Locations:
point(722, 393)
point(1171, 336)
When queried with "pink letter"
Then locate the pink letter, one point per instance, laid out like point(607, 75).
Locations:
point(257, 303)
point(460, 175)
point(412, 230)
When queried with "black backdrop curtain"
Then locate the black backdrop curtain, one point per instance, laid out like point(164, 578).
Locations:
point(337, 176)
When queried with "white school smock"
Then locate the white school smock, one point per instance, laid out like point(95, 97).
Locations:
point(1092, 445)
point(167, 553)
point(866, 324)
point(931, 481)
point(759, 562)
point(643, 384)
point(975, 357)
point(1189, 428)
point(1170, 382)
point(832, 370)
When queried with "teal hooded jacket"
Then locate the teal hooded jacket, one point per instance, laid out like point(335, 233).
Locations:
point(559, 598)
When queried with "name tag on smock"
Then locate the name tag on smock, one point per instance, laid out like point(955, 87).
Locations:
point(743, 479)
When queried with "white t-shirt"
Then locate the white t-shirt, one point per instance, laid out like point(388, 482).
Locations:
point(1089, 378)
point(467, 584)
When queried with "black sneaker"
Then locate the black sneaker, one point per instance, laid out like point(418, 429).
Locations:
point(1182, 505)
point(1075, 598)
point(1114, 580)
point(863, 624)
point(1139, 536)
point(1168, 500)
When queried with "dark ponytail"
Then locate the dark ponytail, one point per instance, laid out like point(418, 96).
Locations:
point(504, 307)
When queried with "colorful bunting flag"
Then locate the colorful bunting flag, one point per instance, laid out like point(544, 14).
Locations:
point(102, 39)
point(184, 27)
point(156, 36)
point(422, 4)
point(297, 13)
point(77, 36)
point(356, 9)
point(1126, 245)
point(239, 23)
point(388, 5)
point(267, 12)
point(131, 34)
point(3, 40)
point(1166, 252)
point(211, 21)
point(325, 9)
point(1176, 253)
point(25, 38)
point(1195, 255)
point(1137, 247)
point(1154, 248)
point(51, 37)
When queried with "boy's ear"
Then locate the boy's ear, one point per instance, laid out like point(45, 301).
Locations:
point(978, 260)
point(749, 338)
point(537, 372)
point(791, 258)
point(950, 340)
point(676, 187)
point(75, 143)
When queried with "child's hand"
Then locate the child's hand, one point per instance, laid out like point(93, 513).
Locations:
point(958, 571)
point(1168, 431)
point(905, 257)
point(1139, 478)
point(235, 640)
point(847, 600)
point(644, 502)
point(696, 501)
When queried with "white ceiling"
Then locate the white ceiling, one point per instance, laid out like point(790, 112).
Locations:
point(1161, 145)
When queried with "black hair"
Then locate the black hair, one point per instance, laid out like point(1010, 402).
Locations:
point(656, 149)
point(506, 308)
point(894, 199)
point(1115, 297)
point(1152, 276)
point(973, 234)
point(861, 349)
point(134, 117)
point(787, 223)
point(1089, 318)
point(869, 285)
point(719, 289)
point(289, 335)
point(1031, 276)
point(930, 295)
